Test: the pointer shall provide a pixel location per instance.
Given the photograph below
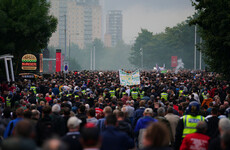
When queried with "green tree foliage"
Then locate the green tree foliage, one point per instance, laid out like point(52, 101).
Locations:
point(214, 20)
point(25, 27)
point(143, 39)
point(158, 49)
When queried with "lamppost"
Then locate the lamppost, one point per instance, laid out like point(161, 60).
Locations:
point(65, 36)
point(94, 58)
point(142, 58)
point(195, 49)
point(69, 45)
point(91, 60)
point(200, 53)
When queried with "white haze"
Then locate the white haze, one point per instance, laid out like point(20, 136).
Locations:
point(154, 15)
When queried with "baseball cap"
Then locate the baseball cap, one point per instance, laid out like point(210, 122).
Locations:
point(73, 122)
point(148, 111)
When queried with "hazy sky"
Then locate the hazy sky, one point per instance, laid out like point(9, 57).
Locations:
point(153, 15)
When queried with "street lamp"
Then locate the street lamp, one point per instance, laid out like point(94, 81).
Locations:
point(92, 58)
point(142, 58)
point(195, 49)
point(200, 53)
point(65, 36)
point(69, 46)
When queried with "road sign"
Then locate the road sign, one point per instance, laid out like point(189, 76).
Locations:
point(66, 67)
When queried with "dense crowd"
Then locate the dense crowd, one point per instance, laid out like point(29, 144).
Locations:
point(91, 110)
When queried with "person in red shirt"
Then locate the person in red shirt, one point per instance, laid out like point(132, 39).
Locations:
point(98, 110)
point(12, 88)
point(198, 140)
point(48, 97)
point(124, 98)
point(175, 106)
point(212, 94)
point(2, 98)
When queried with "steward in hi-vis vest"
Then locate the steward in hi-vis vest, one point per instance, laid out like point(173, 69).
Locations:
point(141, 93)
point(33, 88)
point(8, 100)
point(187, 124)
point(164, 95)
point(122, 93)
point(112, 92)
point(134, 94)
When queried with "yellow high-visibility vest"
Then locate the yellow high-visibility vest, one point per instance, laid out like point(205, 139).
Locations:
point(180, 93)
point(134, 94)
point(8, 102)
point(204, 96)
point(34, 89)
point(142, 94)
point(112, 93)
point(164, 95)
point(190, 123)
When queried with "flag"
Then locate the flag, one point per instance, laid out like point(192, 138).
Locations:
point(163, 71)
point(157, 67)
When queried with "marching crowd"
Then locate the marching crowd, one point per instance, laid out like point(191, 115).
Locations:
point(90, 110)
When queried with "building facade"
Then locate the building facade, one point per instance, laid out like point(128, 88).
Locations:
point(114, 20)
point(54, 10)
point(80, 19)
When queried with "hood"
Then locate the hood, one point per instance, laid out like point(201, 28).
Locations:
point(122, 125)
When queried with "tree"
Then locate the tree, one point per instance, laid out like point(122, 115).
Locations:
point(213, 18)
point(25, 27)
point(158, 48)
point(143, 38)
point(99, 46)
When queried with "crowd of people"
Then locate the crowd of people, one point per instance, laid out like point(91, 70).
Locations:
point(91, 110)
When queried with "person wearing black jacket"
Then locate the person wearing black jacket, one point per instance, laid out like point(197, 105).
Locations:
point(123, 125)
point(82, 115)
point(66, 117)
point(212, 123)
point(72, 137)
point(224, 126)
point(59, 123)
point(16, 97)
point(32, 97)
point(45, 126)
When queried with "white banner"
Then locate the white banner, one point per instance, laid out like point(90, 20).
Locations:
point(129, 78)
